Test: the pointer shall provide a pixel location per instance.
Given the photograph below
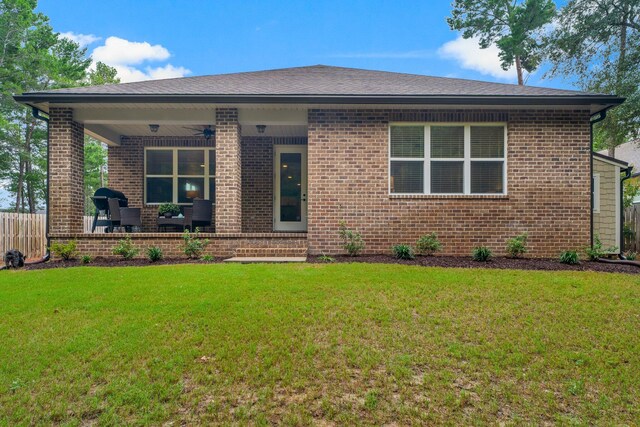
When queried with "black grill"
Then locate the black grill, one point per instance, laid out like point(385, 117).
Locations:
point(100, 200)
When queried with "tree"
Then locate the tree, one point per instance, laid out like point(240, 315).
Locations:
point(34, 58)
point(596, 43)
point(103, 75)
point(513, 26)
point(95, 173)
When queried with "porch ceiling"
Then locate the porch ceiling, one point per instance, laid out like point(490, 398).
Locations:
point(108, 124)
point(111, 133)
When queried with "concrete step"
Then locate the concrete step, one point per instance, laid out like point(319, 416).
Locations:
point(266, 259)
point(271, 252)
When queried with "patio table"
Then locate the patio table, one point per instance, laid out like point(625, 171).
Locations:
point(174, 221)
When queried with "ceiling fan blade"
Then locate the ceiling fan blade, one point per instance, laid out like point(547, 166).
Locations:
point(196, 129)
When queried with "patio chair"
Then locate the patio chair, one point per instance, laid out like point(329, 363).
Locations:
point(123, 217)
point(199, 215)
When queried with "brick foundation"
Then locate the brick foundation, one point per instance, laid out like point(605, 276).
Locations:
point(220, 245)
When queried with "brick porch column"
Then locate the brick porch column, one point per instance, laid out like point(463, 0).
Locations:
point(228, 172)
point(66, 166)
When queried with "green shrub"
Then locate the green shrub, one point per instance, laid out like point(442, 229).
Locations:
point(193, 245)
point(154, 253)
point(403, 252)
point(125, 248)
point(481, 253)
point(351, 240)
point(66, 251)
point(631, 256)
point(207, 258)
point(570, 257)
point(428, 244)
point(597, 251)
point(517, 246)
point(169, 208)
point(326, 258)
point(86, 259)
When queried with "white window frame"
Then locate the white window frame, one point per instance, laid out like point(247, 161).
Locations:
point(596, 193)
point(208, 151)
point(467, 159)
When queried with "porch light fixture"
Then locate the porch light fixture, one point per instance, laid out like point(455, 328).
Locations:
point(154, 128)
point(261, 128)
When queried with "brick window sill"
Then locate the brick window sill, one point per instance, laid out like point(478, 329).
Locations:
point(450, 196)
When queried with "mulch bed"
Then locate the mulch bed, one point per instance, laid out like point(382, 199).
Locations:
point(434, 261)
point(498, 262)
point(115, 262)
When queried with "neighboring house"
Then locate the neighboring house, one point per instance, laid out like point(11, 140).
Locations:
point(298, 150)
point(629, 152)
point(607, 200)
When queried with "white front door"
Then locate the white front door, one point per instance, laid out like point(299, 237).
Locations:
point(290, 188)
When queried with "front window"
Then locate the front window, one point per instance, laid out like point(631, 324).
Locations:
point(447, 159)
point(179, 175)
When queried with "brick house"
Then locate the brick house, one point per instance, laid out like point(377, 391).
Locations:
point(298, 150)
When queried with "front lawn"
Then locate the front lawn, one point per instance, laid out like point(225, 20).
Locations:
point(312, 343)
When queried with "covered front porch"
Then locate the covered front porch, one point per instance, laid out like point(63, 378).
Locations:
point(249, 164)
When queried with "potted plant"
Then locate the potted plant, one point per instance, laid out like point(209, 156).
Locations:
point(168, 210)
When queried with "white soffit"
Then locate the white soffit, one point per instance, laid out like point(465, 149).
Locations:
point(281, 117)
point(112, 116)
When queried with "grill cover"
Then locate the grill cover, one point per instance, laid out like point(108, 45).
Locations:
point(102, 194)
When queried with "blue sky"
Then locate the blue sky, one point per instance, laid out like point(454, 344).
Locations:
point(155, 39)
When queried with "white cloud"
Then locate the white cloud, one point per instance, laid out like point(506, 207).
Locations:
point(124, 52)
point(468, 54)
point(126, 56)
point(83, 40)
point(128, 73)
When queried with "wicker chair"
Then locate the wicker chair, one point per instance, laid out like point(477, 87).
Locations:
point(123, 217)
point(199, 216)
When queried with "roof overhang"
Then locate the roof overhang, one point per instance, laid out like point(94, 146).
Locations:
point(610, 160)
point(595, 102)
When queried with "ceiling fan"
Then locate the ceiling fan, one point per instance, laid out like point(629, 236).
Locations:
point(207, 131)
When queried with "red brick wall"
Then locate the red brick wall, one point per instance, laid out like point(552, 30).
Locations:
point(548, 184)
point(66, 189)
point(228, 178)
point(126, 169)
point(102, 244)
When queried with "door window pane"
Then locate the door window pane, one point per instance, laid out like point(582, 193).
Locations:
point(191, 162)
point(486, 177)
point(212, 162)
point(447, 177)
point(447, 142)
point(290, 187)
point(159, 162)
point(159, 190)
point(189, 189)
point(487, 141)
point(407, 141)
point(407, 176)
point(212, 190)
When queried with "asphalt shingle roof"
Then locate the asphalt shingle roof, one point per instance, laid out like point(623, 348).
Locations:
point(318, 80)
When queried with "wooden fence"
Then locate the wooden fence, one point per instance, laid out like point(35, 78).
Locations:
point(26, 232)
point(632, 228)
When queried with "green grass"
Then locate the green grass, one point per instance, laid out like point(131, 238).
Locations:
point(300, 344)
